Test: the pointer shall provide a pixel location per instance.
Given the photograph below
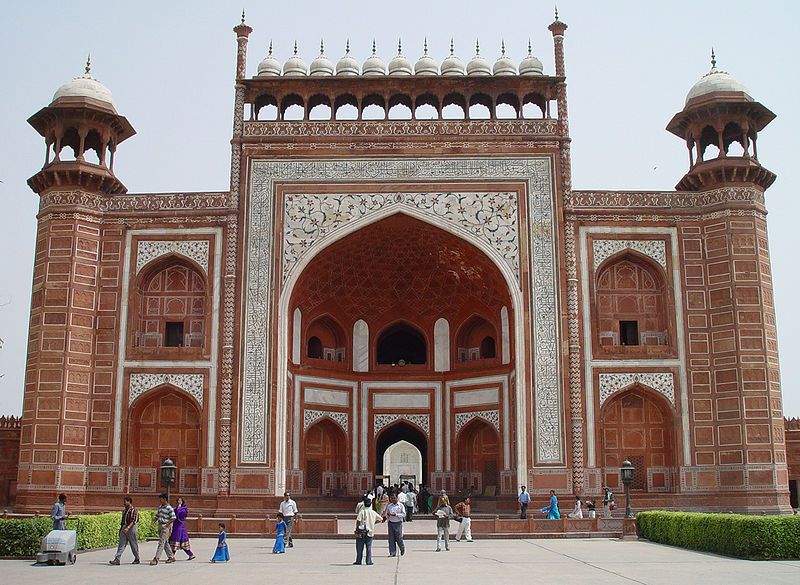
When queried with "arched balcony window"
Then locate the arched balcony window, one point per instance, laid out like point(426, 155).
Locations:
point(402, 344)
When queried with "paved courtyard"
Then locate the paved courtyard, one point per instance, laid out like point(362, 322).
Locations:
point(507, 562)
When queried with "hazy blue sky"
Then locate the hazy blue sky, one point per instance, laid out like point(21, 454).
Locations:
point(170, 66)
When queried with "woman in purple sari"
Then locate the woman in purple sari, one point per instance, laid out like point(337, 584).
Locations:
point(179, 539)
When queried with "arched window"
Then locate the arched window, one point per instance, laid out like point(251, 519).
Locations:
point(476, 340)
point(172, 309)
point(402, 344)
point(488, 347)
point(631, 304)
point(314, 348)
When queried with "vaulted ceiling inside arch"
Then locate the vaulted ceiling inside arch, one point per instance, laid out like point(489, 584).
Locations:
point(401, 265)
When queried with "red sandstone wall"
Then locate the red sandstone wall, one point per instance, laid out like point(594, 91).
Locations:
point(9, 459)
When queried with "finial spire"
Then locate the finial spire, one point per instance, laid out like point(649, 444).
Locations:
point(425, 46)
point(530, 50)
point(242, 15)
point(451, 45)
point(295, 47)
point(321, 46)
point(270, 48)
point(477, 47)
point(556, 12)
point(374, 48)
point(713, 59)
point(347, 46)
point(503, 47)
point(399, 46)
point(88, 68)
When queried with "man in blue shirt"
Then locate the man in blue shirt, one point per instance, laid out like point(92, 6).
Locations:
point(524, 499)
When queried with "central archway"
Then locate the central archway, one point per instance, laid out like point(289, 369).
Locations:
point(403, 460)
point(401, 432)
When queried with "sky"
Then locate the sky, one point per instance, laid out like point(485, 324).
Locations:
point(171, 66)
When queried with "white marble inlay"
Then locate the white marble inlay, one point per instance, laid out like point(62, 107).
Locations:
point(325, 396)
point(655, 249)
point(388, 400)
point(661, 382)
point(463, 398)
point(490, 416)
point(190, 383)
point(360, 346)
point(149, 250)
point(441, 345)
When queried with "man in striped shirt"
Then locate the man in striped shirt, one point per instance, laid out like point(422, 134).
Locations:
point(165, 516)
point(127, 532)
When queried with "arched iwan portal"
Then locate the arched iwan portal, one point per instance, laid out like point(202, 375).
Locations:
point(401, 432)
point(478, 457)
point(325, 458)
point(401, 461)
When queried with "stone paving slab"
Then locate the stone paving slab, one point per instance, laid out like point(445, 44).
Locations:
point(488, 562)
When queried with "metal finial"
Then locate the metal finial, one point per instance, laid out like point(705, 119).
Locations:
point(88, 68)
point(399, 46)
point(503, 47)
point(425, 46)
point(477, 47)
point(295, 47)
point(242, 15)
point(451, 45)
point(321, 46)
point(270, 49)
point(530, 50)
point(713, 59)
point(347, 46)
point(556, 12)
point(374, 49)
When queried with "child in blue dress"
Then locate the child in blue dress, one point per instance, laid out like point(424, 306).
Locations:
point(280, 532)
point(221, 554)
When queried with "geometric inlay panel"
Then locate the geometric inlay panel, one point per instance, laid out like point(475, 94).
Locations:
point(421, 420)
point(661, 382)
point(149, 250)
point(190, 383)
point(312, 416)
point(655, 249)
point(490, 416)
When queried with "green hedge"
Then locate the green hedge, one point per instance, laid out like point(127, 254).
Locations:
point(736, 535)
point(22, 538)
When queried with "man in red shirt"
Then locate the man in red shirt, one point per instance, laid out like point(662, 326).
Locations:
point(463, 509)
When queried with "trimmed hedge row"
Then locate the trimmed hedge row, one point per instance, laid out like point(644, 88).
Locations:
point(23, 537)
point(736, 535)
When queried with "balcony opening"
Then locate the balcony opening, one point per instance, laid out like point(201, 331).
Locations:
point(173, 334)
point(629, 332)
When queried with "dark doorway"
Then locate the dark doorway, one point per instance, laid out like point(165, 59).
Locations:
point(401, 431)
point(402, 344)
point(629, 332)
point(794, 493)
point(174, 334)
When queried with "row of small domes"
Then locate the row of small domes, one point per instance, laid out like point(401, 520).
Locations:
point(399, 65)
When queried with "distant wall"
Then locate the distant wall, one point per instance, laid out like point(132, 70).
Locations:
point(9, 459)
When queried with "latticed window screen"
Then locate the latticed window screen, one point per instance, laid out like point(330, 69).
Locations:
point(313, 474)
point(639, 473)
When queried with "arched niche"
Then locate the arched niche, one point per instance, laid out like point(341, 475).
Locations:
point(324, 452)
point(171, 305)
point(476, 340)
point(638, 424)
point(632, 303)
point(402, 459)
point(441, 345)
point(401, 344)
point(325, 340)
point(478, 456)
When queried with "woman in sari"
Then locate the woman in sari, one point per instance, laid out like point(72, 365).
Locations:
point(552, 510)
point(280, 534)
point(179, 538)
point(576, 511)
point(221, 554)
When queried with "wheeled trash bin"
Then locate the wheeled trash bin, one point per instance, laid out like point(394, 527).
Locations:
point(59, 547)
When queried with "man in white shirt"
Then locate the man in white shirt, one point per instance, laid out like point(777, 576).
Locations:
point(395, 513)
point(288, 508)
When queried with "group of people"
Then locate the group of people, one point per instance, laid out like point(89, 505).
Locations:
point(553, 513)
point(395, 505)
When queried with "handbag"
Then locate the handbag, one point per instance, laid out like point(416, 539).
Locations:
point(361, 532)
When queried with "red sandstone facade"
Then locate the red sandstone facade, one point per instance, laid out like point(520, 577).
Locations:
point(436, 281)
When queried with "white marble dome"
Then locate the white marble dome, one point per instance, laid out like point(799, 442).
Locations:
point(714, 81)
point(374, 65)
point(86, 86)
point(347, 65)
point(321, 66)
point(294, 65)
point(452, 66)
point(270, 66)
point(399, 65)
point(478, 66)
point(531, 65)
point(426, 64)
point(504, 65)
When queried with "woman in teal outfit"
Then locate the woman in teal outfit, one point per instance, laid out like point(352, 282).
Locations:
point(552, 510)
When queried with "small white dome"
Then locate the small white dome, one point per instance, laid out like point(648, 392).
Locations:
point(426, 65)
point(504, 65)
point(716, 80)
point(269, 67)
point(321, 66)
point(478, 66)
point(86, 86)
point(452, 65)
point(295, 66)
point(374, 65)
point(530, 65)
point(347, 65)
point(400, 65)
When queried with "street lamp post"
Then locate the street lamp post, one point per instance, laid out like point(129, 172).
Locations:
point(626, 471)
point(168, 469)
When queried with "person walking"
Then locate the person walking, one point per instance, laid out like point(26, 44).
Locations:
point(524, 499)
point(463, 510)
point(551, 509)
point(443, 513)
point(576, 511)
point(221, 554)
point(365, 532)
point(383, 502)
point(58, 514)
point(179, 538)
point(422, 499)
point(608, 502)
point(411, 503)
point(280, 533)
point(402, 498)
point(394, 513)
point(288, 508)
point(127, 532)
point(164, 518)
